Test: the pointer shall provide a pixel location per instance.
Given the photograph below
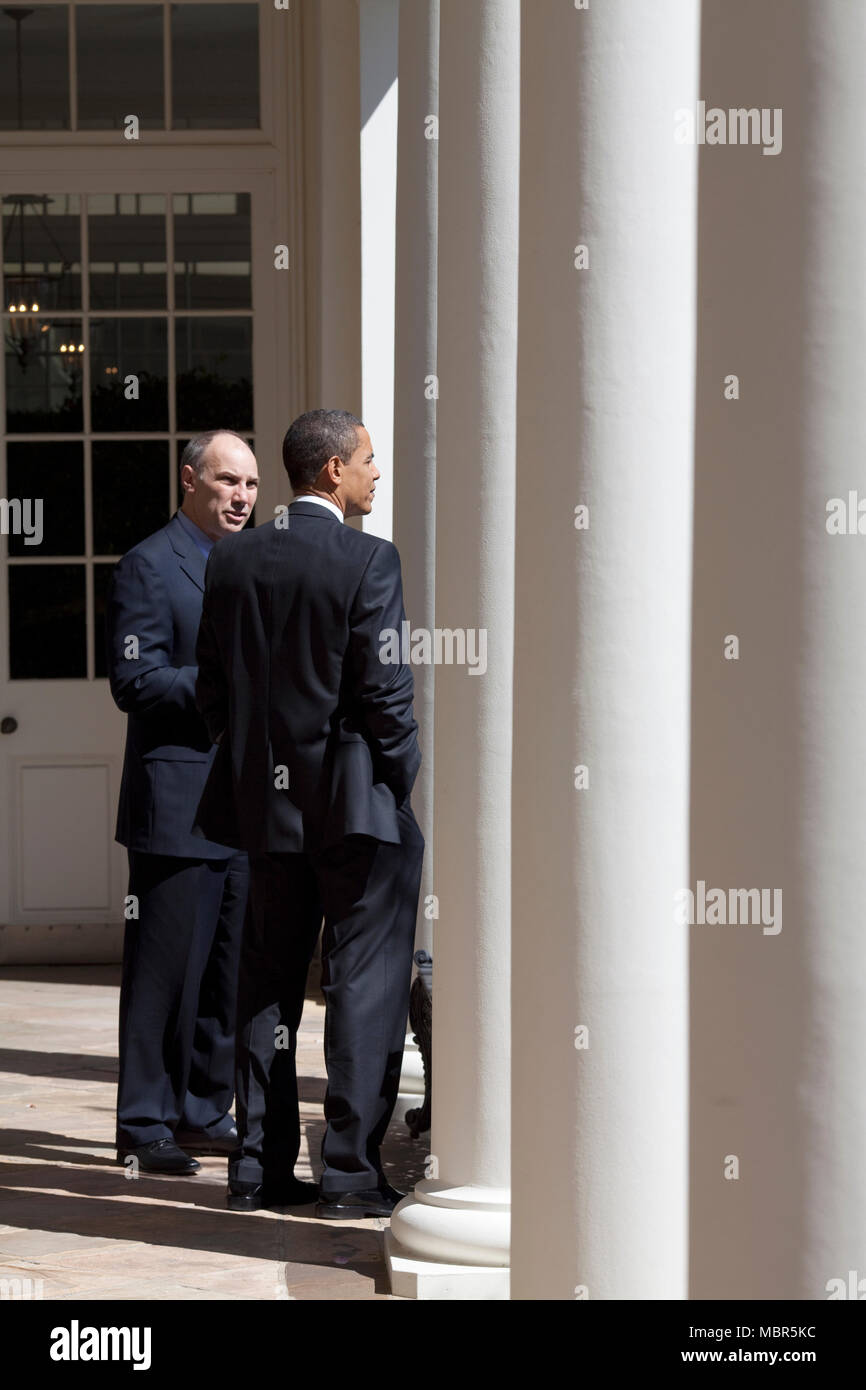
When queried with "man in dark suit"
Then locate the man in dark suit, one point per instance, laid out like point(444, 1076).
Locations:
point(317, 756)
point(178, 993)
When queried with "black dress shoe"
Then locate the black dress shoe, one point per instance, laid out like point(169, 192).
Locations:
point(198, 1141)
point(160, 1156)
point(287, 1192)
point(350, 1206)
point(387, 1190)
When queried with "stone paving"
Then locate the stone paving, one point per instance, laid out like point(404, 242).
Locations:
point(72, 1219)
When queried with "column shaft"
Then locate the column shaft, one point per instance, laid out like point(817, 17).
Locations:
point(779, 1028)
point(605, 421)
point(451, 1238)
point(416, 388)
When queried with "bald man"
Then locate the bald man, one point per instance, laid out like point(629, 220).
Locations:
point(178, 997)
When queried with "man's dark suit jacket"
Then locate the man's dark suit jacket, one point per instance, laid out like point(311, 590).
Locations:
point(156, 598)
point(291, 682)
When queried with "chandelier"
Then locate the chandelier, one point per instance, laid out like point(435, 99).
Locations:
point(29, 292)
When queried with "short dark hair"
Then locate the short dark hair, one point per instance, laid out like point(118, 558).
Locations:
point(315, 437)
point(196, 449)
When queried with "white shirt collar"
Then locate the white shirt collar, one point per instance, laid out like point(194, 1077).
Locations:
point(322, 501)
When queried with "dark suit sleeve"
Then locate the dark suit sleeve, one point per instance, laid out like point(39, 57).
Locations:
point(211, 690)
point(384, 690)
point(140, 673)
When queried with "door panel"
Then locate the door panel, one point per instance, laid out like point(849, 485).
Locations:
point(49, 802)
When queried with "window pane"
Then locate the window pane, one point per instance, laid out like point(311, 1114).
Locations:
point(53, 475)
point(47, 636)
point(43, 378)
point(41, 251)
point(34, 94)
point(212, 251)
point(215, 67)
point(214, 373)
point(119, 56)
point(127, 251)
point(101, 586)
point(120, 349)
point(130, 493)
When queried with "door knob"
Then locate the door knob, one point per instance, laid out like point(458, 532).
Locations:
point(8, 724)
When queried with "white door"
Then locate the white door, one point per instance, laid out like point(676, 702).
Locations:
point(131, 283)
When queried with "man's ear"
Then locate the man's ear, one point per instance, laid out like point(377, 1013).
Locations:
point(334, 469)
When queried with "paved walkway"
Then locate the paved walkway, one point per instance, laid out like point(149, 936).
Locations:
point(71, 1218)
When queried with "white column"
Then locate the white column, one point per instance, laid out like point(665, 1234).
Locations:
point(415, 380)
point(450, 1238)
point(779, 1032)
point(332, 200)
point(605, 421)
point(378, 30)
point(415, 396)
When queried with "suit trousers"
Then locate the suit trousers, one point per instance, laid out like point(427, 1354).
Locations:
point(367, 893)
point(178, 995)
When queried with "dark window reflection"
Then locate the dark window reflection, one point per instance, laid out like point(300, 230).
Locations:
point(101, 586)
point(51, 475)
point(127, 250)
point(47, 632)
point(41, 254)
point(34, 68)
point(43, 378)
point(215, 67)
point(119, 56)
point(212, 251)
point(120, 349)
point(214, 373)
point(130, 492)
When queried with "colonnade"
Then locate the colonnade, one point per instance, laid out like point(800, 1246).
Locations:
point(646, 386)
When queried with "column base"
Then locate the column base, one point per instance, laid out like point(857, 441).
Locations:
point(429, 1281)
point(450, 1242)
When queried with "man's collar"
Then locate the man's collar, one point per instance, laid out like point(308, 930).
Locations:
point(320, 501)
point(195, 533)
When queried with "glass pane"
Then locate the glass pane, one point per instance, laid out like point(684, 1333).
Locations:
point(101, 585)
point(41, 251)
point(119, 56)
point(122, 349)
point(34, 68)
point(215, 67)
point(43, 378)
point(47, 635)
point(127, 251)
point(52, 476)
point(214, 373)
point(212, 251)
point(130, 493)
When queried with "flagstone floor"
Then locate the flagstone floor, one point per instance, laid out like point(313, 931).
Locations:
point(72, 1219)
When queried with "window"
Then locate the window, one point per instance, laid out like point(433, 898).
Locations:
point(87, 67)
point(127, 327)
